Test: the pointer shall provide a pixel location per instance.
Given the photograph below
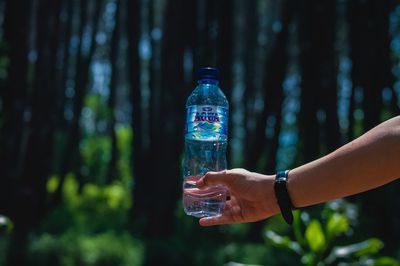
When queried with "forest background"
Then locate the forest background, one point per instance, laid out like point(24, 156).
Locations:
point(92, 113)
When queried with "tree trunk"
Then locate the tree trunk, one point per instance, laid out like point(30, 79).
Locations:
point(276, 63)
point(66, 59)
point(205, 54)
point(36, 167)
point(275, 72)
point(371, 72)
point(251, 91)
point(156, 171)
point(14, 93)
point(140, 154)
point(318, 74)
point(326, 51)
point(72, 154)
point(29, 202)
point(112, 166)
point(225, 55)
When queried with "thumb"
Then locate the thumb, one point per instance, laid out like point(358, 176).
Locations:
point(214, 178)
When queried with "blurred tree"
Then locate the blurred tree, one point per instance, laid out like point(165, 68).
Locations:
point(14, 98)
point(225, 45)
point(274, 74)
point(29, 197)
point(140, 153)
point(371, 71)
point(157, 175)
point(57, 121)
point(225, 55)
point(71, 156)
point(14, 113)
point(318, 67)
point(371, 74)
point(112, 167)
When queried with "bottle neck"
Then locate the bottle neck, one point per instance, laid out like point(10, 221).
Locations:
point(208, 81)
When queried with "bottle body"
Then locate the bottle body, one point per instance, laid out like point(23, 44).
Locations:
point(205, 148)
point(200, 158)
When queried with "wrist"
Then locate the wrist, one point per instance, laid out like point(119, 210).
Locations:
point(266, 195)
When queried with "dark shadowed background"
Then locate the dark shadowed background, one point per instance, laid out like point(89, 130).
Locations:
point(92, 115)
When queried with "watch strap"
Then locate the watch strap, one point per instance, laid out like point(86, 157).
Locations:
point(282, 196)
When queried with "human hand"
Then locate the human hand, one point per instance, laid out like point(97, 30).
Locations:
point(252, 196)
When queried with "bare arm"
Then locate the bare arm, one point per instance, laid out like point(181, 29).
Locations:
point(365, 163)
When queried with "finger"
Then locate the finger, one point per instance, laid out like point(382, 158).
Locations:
point(214, 178)
point(216, 220)
point(226, 218)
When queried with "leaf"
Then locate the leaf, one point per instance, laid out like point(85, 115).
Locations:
point(315, 236)
point(283, 242)
point(367, 247)
point(52, 184)
point(308, 259)
point(297, 227)
point(372, 246)
point(337, 224)
point(385, 261)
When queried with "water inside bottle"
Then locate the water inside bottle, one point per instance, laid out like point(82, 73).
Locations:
point(206, 136)
point(203, 202)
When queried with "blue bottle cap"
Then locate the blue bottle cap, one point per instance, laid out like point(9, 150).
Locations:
point(208, 73)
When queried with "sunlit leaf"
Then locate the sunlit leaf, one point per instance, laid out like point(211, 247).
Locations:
point(117, 196)
point(70, 190)
point(52, 184)
point(385, 261)
point(308, 258)
point(336, 225)
point(283, 242)
point(367, 247)
point(315, 236)
point(297, 227)
point(371, 246)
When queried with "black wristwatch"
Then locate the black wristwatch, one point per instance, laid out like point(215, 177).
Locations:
point(282, 196)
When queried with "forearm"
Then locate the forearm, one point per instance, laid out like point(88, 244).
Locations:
point(365, 163)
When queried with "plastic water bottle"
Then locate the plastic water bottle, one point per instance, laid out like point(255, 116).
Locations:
point(206, 135)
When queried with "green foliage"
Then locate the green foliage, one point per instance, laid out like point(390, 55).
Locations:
point(124, 145)
point(337, 225)
point(96, 103)
point(248, 253)
point(90, 226)
point(316, 244)
point(96, 154)
point(88, 229)
point(315, 237)
point(75, 248)
point(96, 145)
point(364, 248)
point(283, 242)
point(93, 208)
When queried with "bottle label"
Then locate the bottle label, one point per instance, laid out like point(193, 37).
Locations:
point(207, 122)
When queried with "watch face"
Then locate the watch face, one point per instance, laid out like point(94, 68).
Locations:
point(281, 180)
point(282, 175)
